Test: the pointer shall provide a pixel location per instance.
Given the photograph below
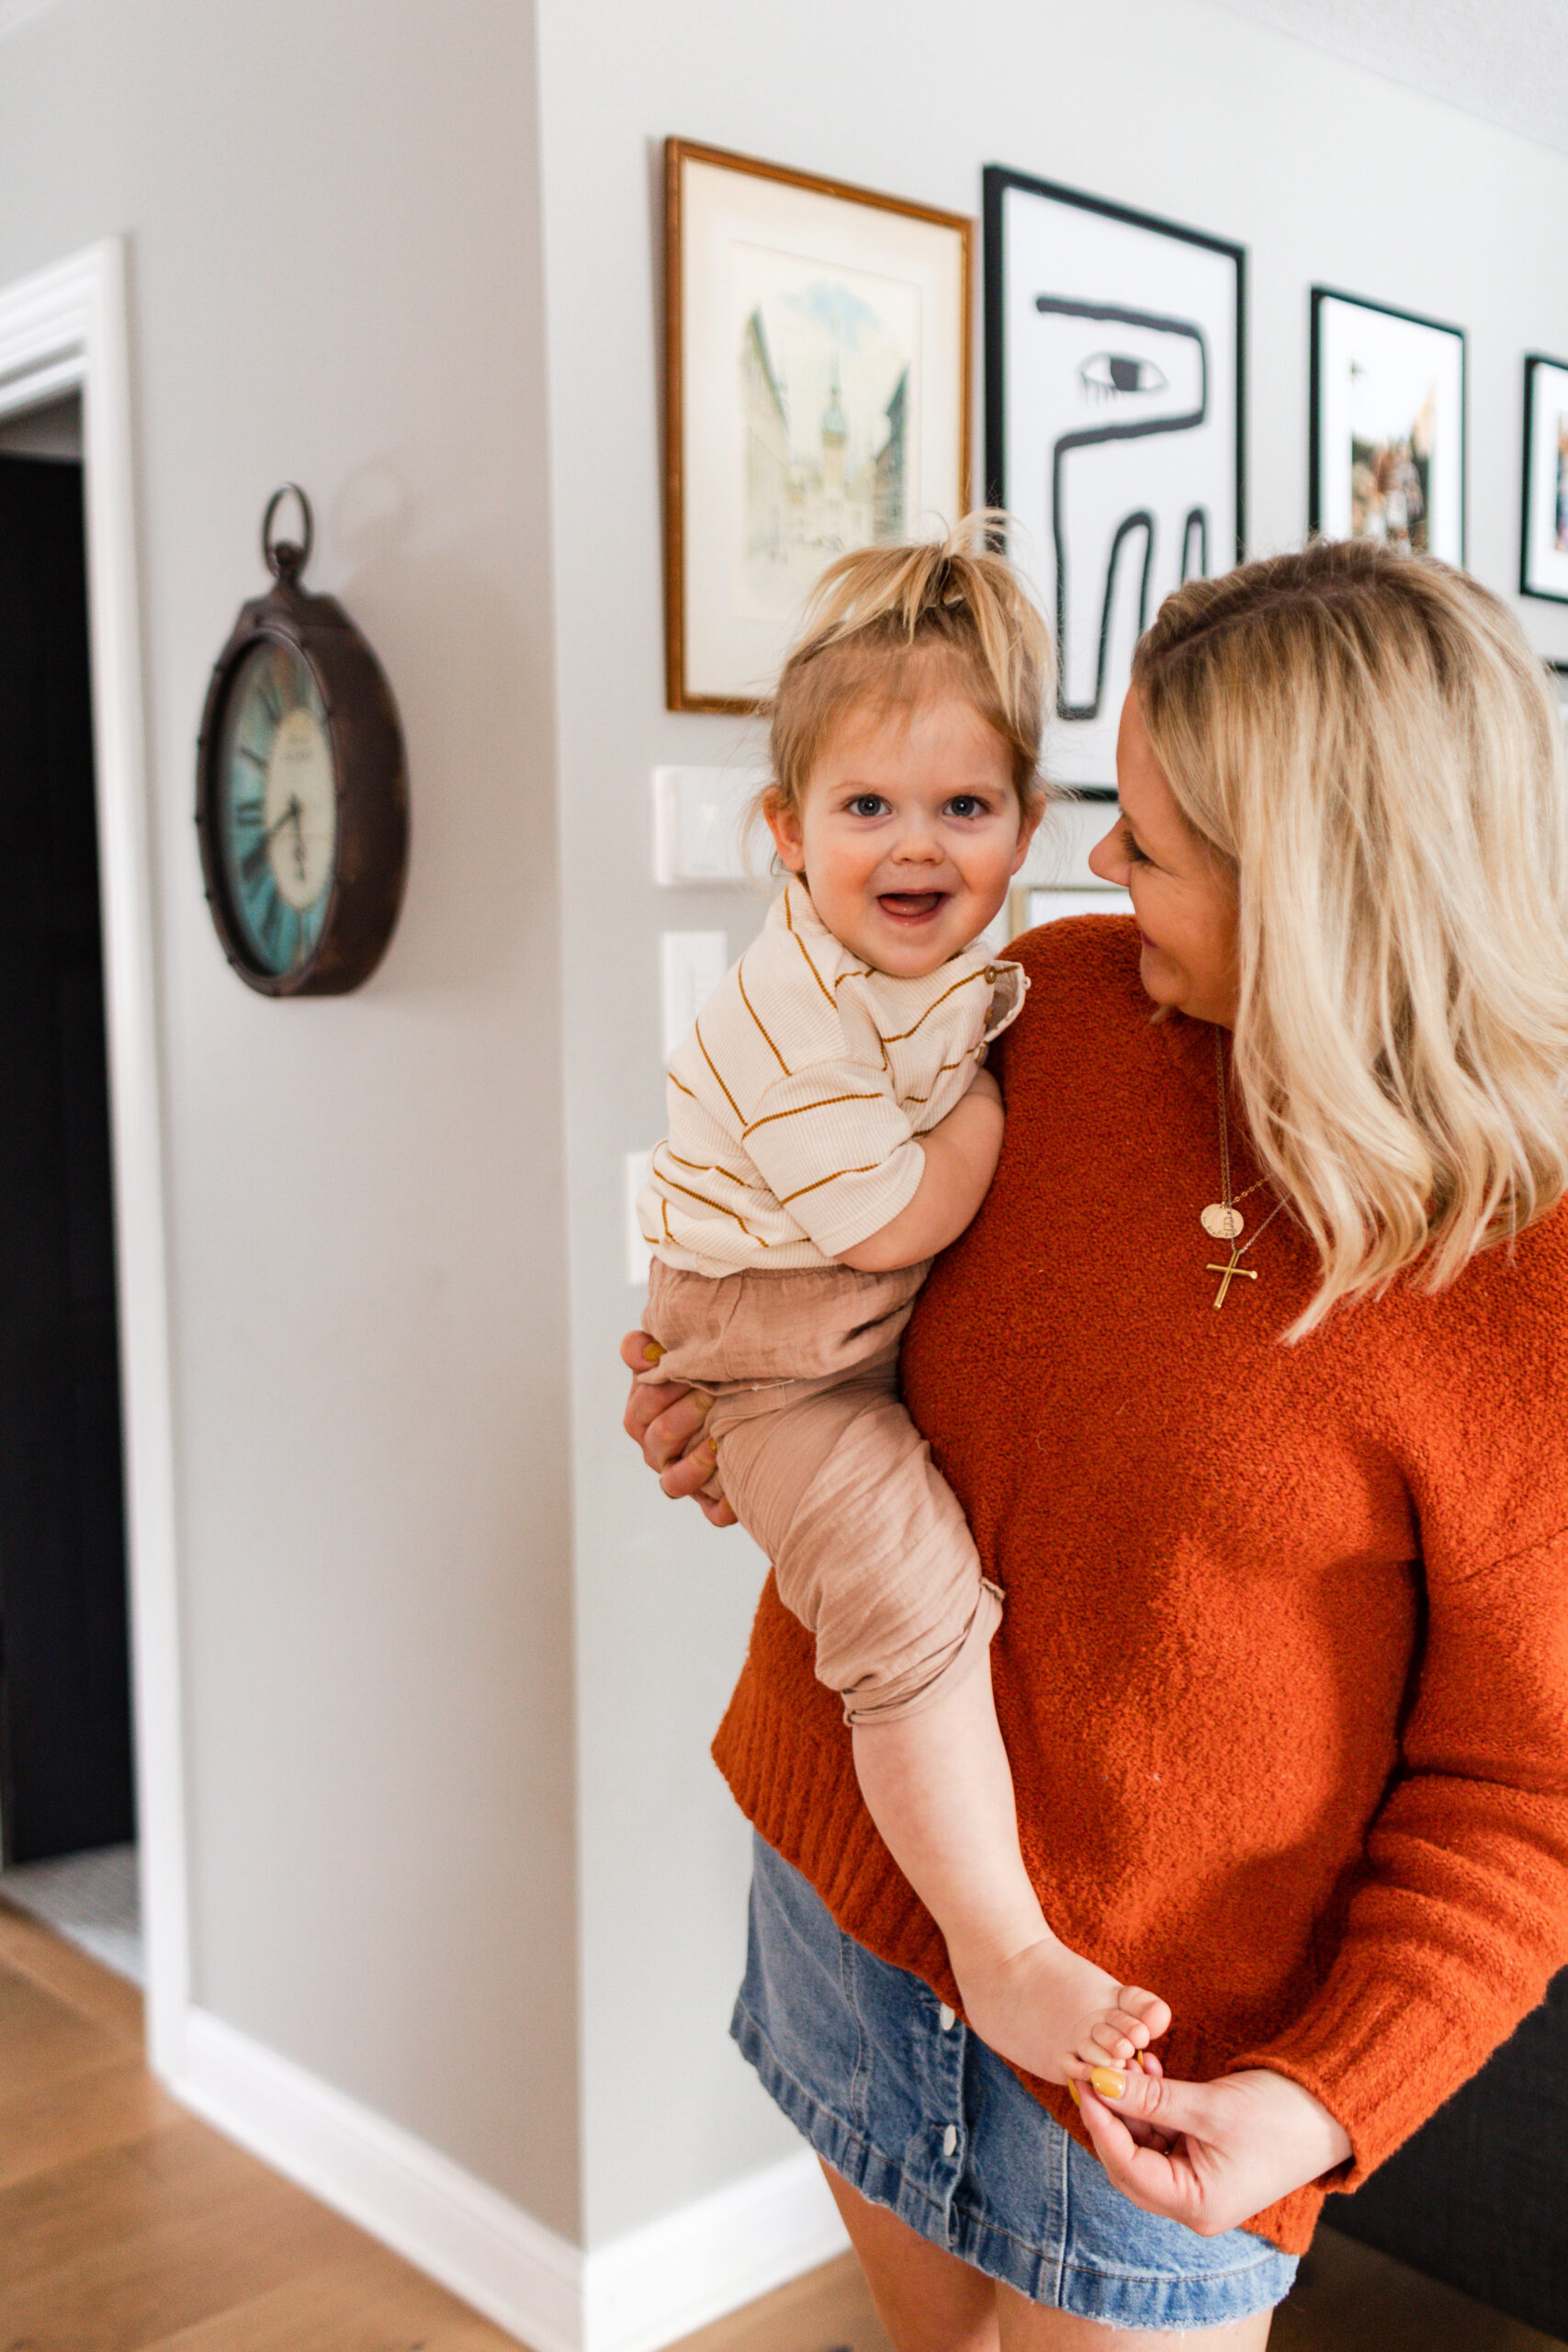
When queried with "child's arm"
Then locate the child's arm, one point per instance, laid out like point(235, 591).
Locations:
point(961, 1153)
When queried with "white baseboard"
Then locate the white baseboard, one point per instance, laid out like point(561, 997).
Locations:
point(661, 2283)
point(641, 2292)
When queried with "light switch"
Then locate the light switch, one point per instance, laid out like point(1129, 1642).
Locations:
point(699, 825)
point(1059, 855)
point(694, 963)
point(640, 1254)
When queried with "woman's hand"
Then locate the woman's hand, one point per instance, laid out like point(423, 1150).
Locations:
point(666, 1419)
point(1211, 2155)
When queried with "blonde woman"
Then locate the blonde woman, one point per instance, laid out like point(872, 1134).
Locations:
point(1252, 1377)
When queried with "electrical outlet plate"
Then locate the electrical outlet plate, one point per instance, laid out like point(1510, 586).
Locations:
point(640, 1254)
point(692, 964)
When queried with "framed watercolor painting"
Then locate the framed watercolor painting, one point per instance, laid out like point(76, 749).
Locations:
point(1387, 456)
point(817, 398)
point(1543, 540)
point(1114, 407)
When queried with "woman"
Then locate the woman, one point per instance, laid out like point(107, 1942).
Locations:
point(1251, 1375)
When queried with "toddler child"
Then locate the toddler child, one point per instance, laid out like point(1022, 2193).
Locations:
point(831, 1129)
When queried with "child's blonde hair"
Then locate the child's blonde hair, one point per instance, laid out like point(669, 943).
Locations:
point(1368, 745)
point(880, 618)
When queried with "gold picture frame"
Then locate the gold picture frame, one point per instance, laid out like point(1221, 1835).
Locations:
point(819, 344)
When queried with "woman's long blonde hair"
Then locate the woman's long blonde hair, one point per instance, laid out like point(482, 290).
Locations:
point(1370, 747)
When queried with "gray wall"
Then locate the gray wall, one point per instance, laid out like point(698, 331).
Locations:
point(421, 1711)
point(333, 215)
point(1328, 173)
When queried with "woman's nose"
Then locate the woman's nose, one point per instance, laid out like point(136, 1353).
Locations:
point(1105, 860)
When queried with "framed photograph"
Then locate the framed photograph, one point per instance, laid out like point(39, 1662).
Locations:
point(817, 398)
point(1387, 456)
point(1543, 542)
point(1114, 407)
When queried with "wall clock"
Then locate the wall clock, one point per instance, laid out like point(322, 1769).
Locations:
point(302, 798)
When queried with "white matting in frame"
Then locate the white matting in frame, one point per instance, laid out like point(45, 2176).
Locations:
point(1387, 426)
point(1544, 543)
point(1113, 429)
point(816, 400)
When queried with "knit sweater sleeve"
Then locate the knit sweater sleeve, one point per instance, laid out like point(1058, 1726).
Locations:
point(1459, 1915)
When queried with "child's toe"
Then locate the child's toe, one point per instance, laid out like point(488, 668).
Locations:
point(1148, 2007)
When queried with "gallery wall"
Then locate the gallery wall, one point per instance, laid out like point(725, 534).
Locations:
point(1328, 173)
point(332, 221)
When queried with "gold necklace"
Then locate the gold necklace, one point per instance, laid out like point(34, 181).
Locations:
point(1222, 1220)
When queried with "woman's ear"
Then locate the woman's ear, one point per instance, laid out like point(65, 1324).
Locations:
point(783, 823)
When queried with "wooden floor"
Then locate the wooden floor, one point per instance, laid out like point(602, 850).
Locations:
point(125, 2226)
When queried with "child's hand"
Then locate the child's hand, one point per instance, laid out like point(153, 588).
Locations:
point(666, 1419)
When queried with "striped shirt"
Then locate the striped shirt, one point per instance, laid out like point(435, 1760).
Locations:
point(795, 1101)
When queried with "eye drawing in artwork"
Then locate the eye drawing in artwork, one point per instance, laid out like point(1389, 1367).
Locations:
point(1132, 376)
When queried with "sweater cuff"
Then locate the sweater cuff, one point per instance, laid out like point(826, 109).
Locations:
point(1367, 2051)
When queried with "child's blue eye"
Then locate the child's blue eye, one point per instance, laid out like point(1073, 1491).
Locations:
point(965, 803)
point(867, 804)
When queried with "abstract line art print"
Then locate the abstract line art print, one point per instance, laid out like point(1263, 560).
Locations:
point(1113, 430)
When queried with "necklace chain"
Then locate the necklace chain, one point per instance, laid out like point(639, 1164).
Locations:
point(1233, 1219)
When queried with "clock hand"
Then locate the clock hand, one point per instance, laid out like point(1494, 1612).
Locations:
point(296, 811)
point(256, 856)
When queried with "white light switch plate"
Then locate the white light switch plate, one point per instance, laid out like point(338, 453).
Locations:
point(699, 824)
point(1059, 855)
point(692, 964)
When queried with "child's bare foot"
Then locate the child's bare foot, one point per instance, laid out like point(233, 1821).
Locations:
point(1057, 2015)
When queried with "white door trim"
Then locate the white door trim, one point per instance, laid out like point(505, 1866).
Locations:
point(65, 330)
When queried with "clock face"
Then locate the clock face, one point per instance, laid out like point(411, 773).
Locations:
point(276, 806)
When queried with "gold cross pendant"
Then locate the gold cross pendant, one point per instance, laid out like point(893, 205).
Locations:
point(1247, 1274)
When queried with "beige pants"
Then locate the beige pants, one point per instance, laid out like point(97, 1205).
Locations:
point(821, 1463)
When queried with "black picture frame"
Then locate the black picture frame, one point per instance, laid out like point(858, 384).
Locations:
point(1166, 323)
point(1543, 555)
point(1331, 497)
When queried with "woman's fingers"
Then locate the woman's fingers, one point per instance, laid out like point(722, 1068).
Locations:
point(662, 1416)
point(1148, 2163)
point(666, 1419)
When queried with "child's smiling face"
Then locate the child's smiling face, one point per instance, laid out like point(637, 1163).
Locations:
point(910, 831)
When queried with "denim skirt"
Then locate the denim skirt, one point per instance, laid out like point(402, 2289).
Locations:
point(918, 2115)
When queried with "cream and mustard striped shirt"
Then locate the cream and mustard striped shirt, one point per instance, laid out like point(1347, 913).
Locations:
point(795, 1101)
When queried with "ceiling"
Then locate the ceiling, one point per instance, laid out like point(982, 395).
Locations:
point(1506, 61)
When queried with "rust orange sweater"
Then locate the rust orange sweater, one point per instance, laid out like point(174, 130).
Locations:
point(1283, 1672)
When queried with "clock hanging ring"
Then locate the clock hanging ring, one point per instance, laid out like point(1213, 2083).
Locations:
point(302, 805)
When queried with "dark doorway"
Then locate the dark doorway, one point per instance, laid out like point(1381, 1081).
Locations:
point(65, 1767)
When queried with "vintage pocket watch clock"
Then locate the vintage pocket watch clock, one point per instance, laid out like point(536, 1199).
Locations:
point(301, 804)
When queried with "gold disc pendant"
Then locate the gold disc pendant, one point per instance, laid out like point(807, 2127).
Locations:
point(1220, 1223)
